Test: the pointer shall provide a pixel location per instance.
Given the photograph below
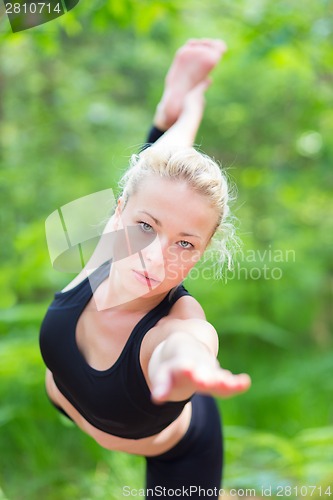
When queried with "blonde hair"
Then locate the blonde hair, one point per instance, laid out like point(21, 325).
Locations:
point(204, 176)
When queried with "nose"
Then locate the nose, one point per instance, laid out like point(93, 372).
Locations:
point(155, 252)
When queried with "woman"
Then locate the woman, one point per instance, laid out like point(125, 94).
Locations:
point(131, 358)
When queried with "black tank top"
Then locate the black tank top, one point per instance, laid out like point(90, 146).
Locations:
point(116, 400)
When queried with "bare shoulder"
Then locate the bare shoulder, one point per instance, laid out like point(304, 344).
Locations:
point(186, 307)
point(186, 315)
point(76, 281)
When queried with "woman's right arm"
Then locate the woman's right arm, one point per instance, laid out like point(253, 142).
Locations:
point(185, 362)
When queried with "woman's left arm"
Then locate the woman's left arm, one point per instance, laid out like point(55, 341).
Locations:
point(185, 363)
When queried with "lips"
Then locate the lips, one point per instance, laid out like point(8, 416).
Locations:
point(144, 277)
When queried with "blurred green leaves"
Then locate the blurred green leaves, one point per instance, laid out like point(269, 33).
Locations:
point(76, 99)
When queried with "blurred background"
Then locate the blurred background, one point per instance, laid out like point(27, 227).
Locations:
point(76, 99)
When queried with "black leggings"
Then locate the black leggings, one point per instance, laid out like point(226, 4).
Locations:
point(194, 465)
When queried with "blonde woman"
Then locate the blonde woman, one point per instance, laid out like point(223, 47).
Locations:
point(130, 356)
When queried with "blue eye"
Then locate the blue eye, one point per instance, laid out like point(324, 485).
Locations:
point(185, 244)
point(147, 228)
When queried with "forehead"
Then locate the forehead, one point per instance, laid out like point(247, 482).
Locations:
point(174, 202)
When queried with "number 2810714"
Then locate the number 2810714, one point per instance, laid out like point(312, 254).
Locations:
point(32, 8)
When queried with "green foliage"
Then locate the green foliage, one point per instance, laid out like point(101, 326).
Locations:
point(76, 98)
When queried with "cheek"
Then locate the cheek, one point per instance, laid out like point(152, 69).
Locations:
point(130, 262)
point(180, 262)
point(190, 257)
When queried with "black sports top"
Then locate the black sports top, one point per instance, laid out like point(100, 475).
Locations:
point(116, 400)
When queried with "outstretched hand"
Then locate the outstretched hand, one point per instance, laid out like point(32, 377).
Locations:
point(176, 376)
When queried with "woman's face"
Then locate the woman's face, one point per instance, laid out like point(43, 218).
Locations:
point(168, 227)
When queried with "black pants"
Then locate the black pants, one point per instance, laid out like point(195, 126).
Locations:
point(195, 462)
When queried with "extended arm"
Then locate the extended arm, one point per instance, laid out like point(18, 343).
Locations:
point(185, 362)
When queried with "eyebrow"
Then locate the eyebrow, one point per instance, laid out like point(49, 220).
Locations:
point(158, 223)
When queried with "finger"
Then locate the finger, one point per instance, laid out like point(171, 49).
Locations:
point(232, 384)
point(224, 384)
